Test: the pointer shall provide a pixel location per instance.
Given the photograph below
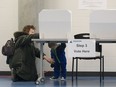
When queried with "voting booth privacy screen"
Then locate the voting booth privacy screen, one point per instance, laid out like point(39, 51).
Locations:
point(103, 24)
point(54, 24)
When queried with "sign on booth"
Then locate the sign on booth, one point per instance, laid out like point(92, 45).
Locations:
point(81, 48)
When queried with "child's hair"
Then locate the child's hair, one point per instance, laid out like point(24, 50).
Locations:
point(52, 44)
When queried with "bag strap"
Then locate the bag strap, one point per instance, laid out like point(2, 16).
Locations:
point(55, 53)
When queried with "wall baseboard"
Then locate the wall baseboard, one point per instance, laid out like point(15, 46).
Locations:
point(5, 73)
point(50, 73)
point(85, 73)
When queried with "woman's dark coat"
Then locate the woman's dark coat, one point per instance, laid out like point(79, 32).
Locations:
point(23, 60)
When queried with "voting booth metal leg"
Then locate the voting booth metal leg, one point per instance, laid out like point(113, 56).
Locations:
point(76, 68)
point(41, 77)
point(73, 67)
point(102, 68)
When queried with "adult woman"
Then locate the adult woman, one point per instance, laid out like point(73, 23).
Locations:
point(23, 61)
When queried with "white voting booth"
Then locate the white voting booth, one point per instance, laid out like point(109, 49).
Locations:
point(103, 24)
point(54, 26)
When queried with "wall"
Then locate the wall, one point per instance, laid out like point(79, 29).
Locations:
point(28, 11)
point(8, 25)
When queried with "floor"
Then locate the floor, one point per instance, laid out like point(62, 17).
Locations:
point(5, 81)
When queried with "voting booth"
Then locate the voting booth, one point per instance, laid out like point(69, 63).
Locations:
point(103, 24)
point(54, 24)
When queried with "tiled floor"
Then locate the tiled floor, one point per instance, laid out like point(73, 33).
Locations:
point(5, 81)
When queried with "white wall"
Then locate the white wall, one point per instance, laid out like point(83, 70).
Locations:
point(80, 23)
point(28, 12)
point(8, 25)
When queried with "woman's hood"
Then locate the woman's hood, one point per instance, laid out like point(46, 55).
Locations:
point(19, 33)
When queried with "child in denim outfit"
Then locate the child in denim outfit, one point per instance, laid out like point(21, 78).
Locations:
point(58, 55)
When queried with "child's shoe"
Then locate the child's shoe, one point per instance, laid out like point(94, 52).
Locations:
point(63, 79)
point(53, 78)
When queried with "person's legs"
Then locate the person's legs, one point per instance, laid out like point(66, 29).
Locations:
point(63, 70)
point(56, 71)
point(15, 77)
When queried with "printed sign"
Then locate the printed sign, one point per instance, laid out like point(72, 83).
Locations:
point(92, 4)
point(81, 48)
